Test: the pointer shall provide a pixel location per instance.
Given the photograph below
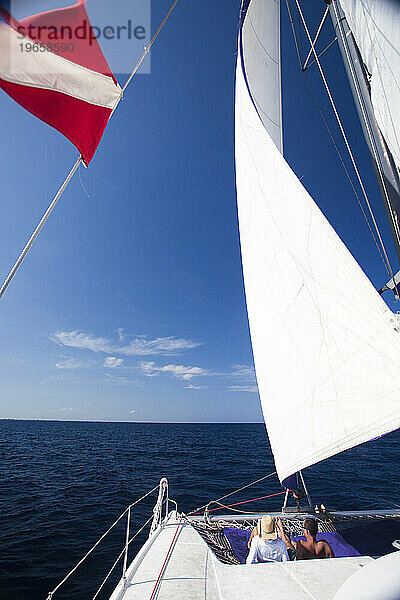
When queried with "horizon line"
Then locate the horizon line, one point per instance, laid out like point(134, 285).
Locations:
point(151, 422)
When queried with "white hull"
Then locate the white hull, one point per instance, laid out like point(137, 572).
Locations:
point(176, 563)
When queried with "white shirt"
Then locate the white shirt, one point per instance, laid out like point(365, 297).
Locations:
point(267, 551)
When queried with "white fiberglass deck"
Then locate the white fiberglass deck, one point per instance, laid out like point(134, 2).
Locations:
point(192, 572)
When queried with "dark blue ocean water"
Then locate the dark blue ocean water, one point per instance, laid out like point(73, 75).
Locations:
point(64, 483)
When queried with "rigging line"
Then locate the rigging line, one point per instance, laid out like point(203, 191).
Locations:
point(323, 52)
point(242, 512)
point(246, 501)
point(316, 37)
point(368, 127)
point(147, 48)
point(346, 170)
point(234, 492)
point(346, 141)
point(297, 43)
point(329, 130)
point(294, 34)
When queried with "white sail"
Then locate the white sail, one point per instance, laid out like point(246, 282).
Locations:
point(260, 50)
point(376, 28)
point(326, 350)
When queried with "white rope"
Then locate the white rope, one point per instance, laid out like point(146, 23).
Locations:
point(322, 52)
point(316, 38)
point(345, 139)
point(50, 595)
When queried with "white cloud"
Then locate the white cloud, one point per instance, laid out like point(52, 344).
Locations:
point(243, 388)
point(55, 379)
point(140, 346)
point(113, 362)
point(132, 411)
point(167, 345)
point(195, 387)
point(71, 363)
point(244, 372)
point(151, 370)
point(121, 334)
point(69, 409)
point(115, 379)
point(75, 339)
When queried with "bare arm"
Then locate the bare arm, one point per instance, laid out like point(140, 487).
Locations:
point(329, 553)
point(251, 558)
point(328, 550)
point(253, 533)
point(283, 536)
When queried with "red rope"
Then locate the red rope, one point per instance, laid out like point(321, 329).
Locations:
point(165, 560)
point(245, 501)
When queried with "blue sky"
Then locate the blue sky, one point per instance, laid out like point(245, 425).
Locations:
point(130, 305)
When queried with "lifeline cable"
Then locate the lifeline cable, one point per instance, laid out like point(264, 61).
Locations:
point(50, 594)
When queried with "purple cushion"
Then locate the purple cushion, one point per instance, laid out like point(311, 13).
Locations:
point(238, 539)
point(338, 544)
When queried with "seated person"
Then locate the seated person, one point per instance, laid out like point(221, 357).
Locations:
point(265, 545)
point(311, 548)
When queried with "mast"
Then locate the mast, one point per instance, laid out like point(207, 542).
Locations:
point(384, 165)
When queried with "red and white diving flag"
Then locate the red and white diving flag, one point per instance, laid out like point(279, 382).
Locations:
point(53, 66)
